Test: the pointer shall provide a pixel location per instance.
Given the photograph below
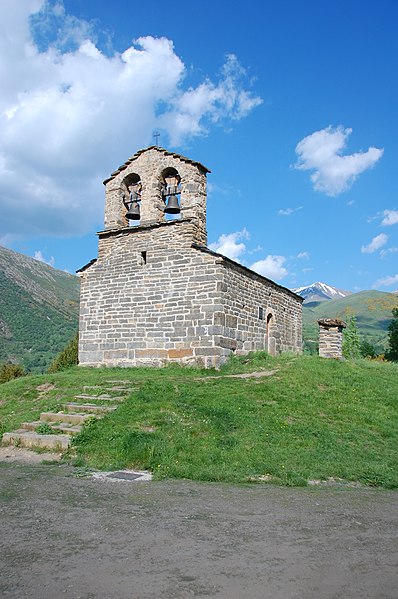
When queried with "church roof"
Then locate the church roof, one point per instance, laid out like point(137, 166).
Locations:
point(161, 150)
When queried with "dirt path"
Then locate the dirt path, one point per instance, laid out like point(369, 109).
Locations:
point(62, 536)
point(247, 375)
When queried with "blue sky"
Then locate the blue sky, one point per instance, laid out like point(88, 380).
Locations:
point(291, 105)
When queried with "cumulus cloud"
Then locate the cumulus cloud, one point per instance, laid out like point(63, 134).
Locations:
point(333, 173)
point(228, 244)
point(376, 243)
point(271, 267)
point(390, 217)
point(38, 255)
point(289, 211)
point(70, 113)
point(303, 256)
point(386, 281)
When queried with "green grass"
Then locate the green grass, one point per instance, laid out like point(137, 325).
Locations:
point(311, 419)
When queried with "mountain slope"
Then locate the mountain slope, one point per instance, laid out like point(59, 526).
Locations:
point(38, 310)
point(317, 292)
point(372, 309)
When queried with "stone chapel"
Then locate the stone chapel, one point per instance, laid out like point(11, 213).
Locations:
point(157, 293)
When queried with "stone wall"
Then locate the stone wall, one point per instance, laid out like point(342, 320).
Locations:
point(331, 337)
point(257, 313)
point(149, 299)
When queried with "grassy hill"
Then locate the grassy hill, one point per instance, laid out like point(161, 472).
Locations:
point(372, 310)
point(38, 310)
point(299, 419)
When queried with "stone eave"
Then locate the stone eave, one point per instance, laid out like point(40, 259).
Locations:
point(246, 270)
point(86, 266)
point(161, 150)
point(144, 227)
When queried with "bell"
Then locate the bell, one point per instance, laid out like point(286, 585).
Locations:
point(133, 212)
point(173, 206)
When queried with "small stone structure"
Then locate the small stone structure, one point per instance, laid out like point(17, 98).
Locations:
point(157, 294)
point(331, 337)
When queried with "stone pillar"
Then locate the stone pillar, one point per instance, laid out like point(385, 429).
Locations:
point(331, 337)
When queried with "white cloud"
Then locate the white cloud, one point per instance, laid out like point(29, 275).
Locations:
point(376, 243)
point(70, 114)
point(390, 217)
point(227, 244)
point(386, 281)
point(289, 211)
point(392, 250)
point(333, 173)
point(232, 246)
point(216, 102)
point(38, 255)
point(271, 267)
point(303, 256)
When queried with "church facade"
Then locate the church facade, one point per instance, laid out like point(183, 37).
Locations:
point(157, 294)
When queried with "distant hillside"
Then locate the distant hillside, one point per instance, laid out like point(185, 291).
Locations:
point(372, 310)
point(38, 310)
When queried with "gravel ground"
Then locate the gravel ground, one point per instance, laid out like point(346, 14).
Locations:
point(65, 536)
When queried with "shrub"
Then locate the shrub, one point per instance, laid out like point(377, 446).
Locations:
point(367, 350)
point(351, 343)
point(68, 356)
point(11, 371)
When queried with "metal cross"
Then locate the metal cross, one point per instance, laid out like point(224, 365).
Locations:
point(156, 135)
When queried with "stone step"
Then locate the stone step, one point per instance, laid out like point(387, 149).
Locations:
point(92, 408)
point(114, 388)
point(57, 417)
point(63, 427)
point(101, 397)
point(68, 429)
point(32, 439)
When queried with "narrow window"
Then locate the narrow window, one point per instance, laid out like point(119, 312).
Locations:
point(261, 313)
point(143, 258)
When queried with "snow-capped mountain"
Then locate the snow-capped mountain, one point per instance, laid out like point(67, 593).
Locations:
point(319, 292)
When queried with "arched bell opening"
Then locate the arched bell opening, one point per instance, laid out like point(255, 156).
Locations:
point(270, 339)
point(132, 188)
point(171, 193)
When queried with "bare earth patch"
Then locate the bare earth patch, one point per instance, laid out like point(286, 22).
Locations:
point(246, 375)
point(45, 388)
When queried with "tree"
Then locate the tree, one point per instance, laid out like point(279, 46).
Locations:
point(392, 352)
point(367, 350)
point(10, 371)
point(351, 343)
point(68, 356)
